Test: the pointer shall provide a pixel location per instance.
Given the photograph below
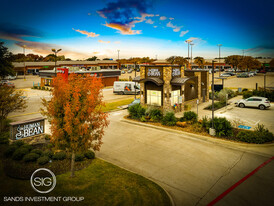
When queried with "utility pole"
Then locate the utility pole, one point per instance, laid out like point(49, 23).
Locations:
point(191, 53)
point(118, 53)
point(219, 45)
point(188, 42)
point(24, 46)
point(55, 52)
point(212, 130)
point(135, 81)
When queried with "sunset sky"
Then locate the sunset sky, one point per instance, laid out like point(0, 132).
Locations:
point(138, 28)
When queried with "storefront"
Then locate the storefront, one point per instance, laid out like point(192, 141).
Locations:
point(108, 76)
point(171, 87)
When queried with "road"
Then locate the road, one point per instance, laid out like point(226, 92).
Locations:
point(193, 171)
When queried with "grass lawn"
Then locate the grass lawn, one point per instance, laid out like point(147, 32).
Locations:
point(101, 183)
point(114, 105)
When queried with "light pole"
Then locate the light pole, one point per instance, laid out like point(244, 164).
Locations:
point(118, 53)
point(188, 42)
point(191, 52)
point(135, 81)
point(55, 52)
point(212, 131)
point(219, 45)
point(24, 46)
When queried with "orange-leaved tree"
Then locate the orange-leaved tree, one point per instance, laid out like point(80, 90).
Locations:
point(75, 114)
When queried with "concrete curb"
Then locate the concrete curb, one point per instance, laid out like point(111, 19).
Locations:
point(222, 142)
point(170, 198)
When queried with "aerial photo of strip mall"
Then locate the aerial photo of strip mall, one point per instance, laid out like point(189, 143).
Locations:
point(137, 103)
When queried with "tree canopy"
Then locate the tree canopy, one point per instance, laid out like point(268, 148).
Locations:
point(10, 100)
point(200, 61)
point(6, 67)
point(92, 58)
point(75, 114)
point(177, 60)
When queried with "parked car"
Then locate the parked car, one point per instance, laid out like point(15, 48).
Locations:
point(123, 87)
point(259, 102)
point(4, 82)
point(225, 74)
point(231, 73)
point(129, 71)
point(135, 101)
point(9, 77)
point(123, 72)
point(253, 73)
point(243, 75)
point(7, 84)
point(250, 74)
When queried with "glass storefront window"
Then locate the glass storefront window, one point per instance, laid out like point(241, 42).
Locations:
point(154, 97)
point(175, 97)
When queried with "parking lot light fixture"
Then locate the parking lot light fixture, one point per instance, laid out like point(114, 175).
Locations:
point(219, 45)
point(55, 53)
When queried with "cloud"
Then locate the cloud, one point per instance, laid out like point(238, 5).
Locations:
point(155, 26)
point(124, 14)
point(117, 42)
point(196, 40)
point(104, 42)
point(175, 28)
point(171, 18)
point(89, 34)
point(123, 29)
point(183, 33)
point(163, 18)
point(149, 21)
point(157, 15)
point(15, 32)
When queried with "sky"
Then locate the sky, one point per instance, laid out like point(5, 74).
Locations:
point(138, 28)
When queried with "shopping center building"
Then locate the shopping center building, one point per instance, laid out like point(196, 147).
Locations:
point(172, 87)
point(108, 76)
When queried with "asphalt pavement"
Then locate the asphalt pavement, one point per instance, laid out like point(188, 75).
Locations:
point(193, 171)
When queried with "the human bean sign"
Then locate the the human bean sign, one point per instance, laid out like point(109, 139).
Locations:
point(154, 72)
point(176, 72)
point(27, 128)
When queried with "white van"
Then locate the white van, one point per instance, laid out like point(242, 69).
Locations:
point(121, 87)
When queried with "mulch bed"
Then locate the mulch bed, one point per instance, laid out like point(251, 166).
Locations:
point(22, 170)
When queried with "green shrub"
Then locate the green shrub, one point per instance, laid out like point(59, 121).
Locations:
point(20, 153)
point(206, 123)
point(222, 127)
point(18, 143)
point(43, 160)
point(217, 105)
point(247, 94)
point(136, 111)
point(37, 151)
point(31, 157)
point(143, 119)
point(189, 116)
point(47, 137)
point(169, 119)
point(4, 138)
point(225, 92)
point(10, 150)
point(48, 153)
point(34, 87)
point(27, 146)
point(79, 157)
point(155, 114)
point(255, 137)
point(59, 156)
point(89, 154)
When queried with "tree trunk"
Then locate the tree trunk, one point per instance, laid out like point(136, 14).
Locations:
point(72, 164)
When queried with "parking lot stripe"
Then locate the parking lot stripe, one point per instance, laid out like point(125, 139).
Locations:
point(239, 182)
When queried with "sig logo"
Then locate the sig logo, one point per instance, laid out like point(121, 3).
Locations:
point(43, 180)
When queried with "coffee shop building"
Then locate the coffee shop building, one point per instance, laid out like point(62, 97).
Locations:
point(172, 87)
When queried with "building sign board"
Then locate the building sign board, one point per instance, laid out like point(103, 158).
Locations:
point(28, 128)
point(154, 72)
point(176, 72)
